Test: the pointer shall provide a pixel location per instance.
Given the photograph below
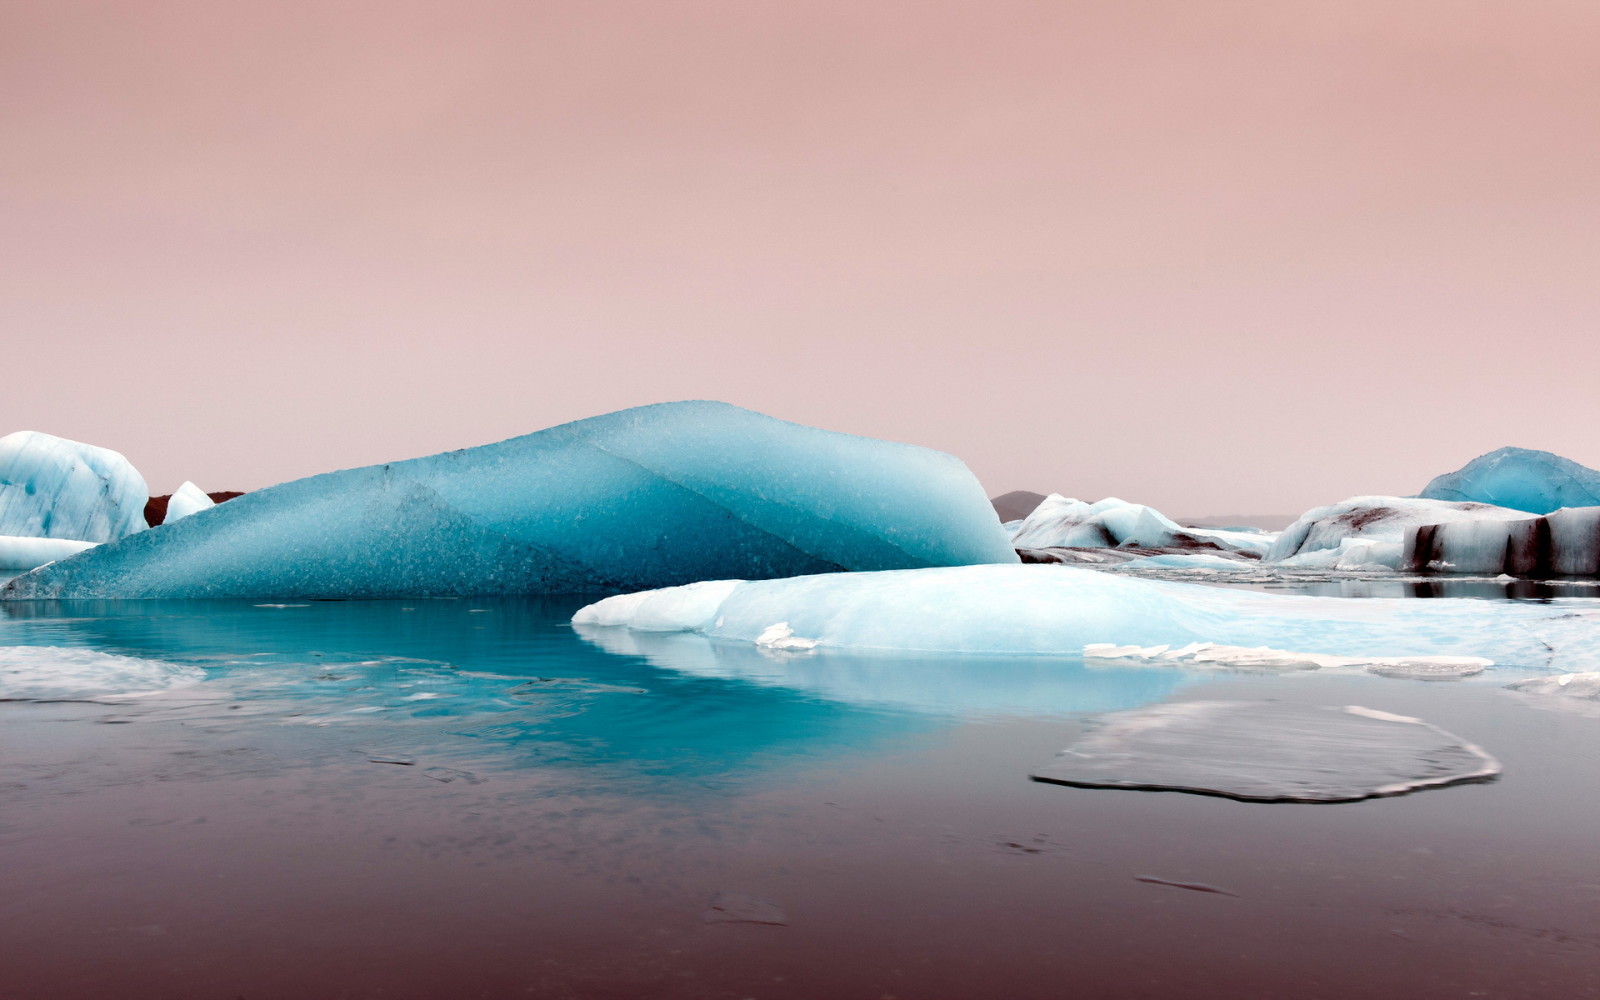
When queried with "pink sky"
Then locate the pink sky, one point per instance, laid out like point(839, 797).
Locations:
point(1213, 256)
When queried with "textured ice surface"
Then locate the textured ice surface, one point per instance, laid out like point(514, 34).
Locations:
point(1268, 752)
point(1062, 522)
point(1563, 543)
point(1368, 531)
point(18, 553)
point(54, 673)
point(54, 488)
point(1214, 656)
point(1061, 609)
point(645, 497)
point(188, 499)
point(1537, 482)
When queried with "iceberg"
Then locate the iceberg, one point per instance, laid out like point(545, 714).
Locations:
point(1063, 522)
point(1059, 610)
point(1369, 532)
point(641, 498)
point(188, 499)
point(54, 488)
point(1563, 543)
point(1268, 752)
point(19, 553)
point(1536, 482)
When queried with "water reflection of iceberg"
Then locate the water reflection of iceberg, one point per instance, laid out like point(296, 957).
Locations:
point(933, 683)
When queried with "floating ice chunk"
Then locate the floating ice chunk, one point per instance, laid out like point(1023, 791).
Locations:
point(57, 673)
point(1184, 562)
point(1215, 656)
point(1563, 543)
point(657, 495)
point(1368, 531)
point(1057, 610)
point(187, 500)
point(1062, 522)
point(1268, 752)
point(1537, 482)
point(1584, 685)
point(666, 610)
point(54, 488)
point(29, 553)
point(781, 636)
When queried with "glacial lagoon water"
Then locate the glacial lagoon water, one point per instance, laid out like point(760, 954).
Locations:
point(470, 798)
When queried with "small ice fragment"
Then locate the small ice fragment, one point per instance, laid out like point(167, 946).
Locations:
point(781, 636)
point(391, 758)
point(1216, 656)
point(738, 908)
point(449, 774)
point(1193, 886)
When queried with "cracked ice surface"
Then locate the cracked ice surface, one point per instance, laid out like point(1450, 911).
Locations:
point(646, 497)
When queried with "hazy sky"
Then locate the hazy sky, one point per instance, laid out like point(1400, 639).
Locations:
point(1214, 256)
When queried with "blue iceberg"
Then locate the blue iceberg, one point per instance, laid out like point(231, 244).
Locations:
point(648, 497)
point(1520, 478)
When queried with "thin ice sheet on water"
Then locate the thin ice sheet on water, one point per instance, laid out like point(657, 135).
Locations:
point(1217, 656)
point(56, 673)
point(1268, 752)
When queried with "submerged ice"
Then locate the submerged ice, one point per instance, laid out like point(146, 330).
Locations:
point(52, 673)
point(1268, 752)
point(646, 497)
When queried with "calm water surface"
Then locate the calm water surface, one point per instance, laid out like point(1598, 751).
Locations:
point(451, 799)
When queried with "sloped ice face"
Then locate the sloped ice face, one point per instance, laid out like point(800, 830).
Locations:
point(1537, 482)
point(641, 498)
point(1268, 752)
point(1059, 610)
point(54, 488)
point(188, 499)
point(1369, 531)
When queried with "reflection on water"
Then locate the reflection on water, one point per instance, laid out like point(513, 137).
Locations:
point(511, 674)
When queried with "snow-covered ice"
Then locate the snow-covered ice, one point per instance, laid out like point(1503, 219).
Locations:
point(17, 552)
point(646, 497)
point(1367, 532)
point(1268, 752)
point(54, 488)
point(1058, 610)
point(188, 499)
point(1536, 482)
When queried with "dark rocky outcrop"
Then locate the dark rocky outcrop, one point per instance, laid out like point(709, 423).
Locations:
point(155, 509)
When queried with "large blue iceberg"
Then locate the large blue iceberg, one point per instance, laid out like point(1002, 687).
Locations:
point(1520, 478)
point(58, 497)
point(648, 497)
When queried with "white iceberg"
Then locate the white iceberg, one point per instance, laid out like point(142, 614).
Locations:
point(1536, 482)
point(1063, 522)
point(54, 488)
point(646, 497)
point(1369, 532)
point(1057, 610)
point(19, 553)
point(188, 499)
point(1563, 543)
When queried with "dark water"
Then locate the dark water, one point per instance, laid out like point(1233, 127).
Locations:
point(468, 799)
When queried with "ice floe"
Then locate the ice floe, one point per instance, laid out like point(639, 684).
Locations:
point(1215, 656)
point(60, 673)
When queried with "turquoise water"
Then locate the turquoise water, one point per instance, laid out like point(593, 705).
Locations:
point(471, 798)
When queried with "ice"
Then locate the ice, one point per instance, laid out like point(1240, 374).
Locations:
point(1186, 562)
point(1268, 752)
point(56, 673)
point(54, 488)
point(647, 497)
point(1058, 610)
point(188, 499)
point(1536, 482)
point(1563, 543)
point(1215, 656)
point(1062, 522)
point(1584, 686)
point(27, 553)
point(1368, 531)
